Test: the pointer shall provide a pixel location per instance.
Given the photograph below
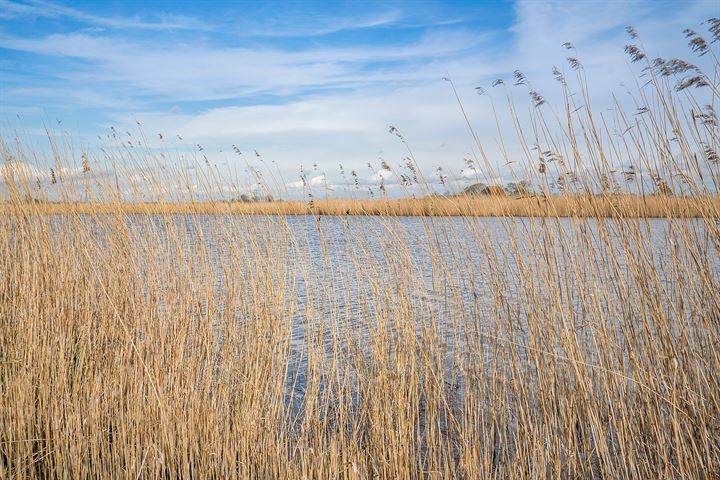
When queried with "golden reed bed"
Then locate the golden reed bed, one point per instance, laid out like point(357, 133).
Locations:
point(253, 347)
point(608, 206)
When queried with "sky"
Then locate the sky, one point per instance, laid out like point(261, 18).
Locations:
point(311, 85)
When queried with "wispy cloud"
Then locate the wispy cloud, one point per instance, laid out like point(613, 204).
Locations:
point(324, 26)
point(304, 94)
point(206, 72)
point(38, 8)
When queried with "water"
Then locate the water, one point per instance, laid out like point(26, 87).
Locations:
point(341, 275)
point(465, 285)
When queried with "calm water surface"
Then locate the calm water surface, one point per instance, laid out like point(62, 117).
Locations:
point(455, 274)
point(451, 271)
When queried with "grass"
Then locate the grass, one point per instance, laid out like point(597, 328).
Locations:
point(599, 206)
point(244, 346)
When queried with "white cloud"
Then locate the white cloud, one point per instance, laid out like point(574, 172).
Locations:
point(382, 175)
point(317, 181)
point(338, 109)
point(206, 72)
point(470, 173)
point(325, 26)
point(36, 8)
point(20, 172)
point(348, 128)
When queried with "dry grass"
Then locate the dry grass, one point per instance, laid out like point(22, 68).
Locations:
point(240, 346)
point(598, 206)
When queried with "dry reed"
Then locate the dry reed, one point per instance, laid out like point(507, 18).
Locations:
point(599, 206)
point(170, 345)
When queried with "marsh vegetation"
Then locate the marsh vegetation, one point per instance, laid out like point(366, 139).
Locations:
point(572, 334)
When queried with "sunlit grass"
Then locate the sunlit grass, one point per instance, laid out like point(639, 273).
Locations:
point(191, 346)
point(601, 206)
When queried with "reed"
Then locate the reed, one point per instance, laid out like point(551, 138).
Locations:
point(598, 206)
point(146, 340)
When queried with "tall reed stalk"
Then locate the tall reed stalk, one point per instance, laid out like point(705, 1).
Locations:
point(146, 340)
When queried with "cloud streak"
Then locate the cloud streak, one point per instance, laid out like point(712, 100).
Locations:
point(328, 98)
point(204, 72)
point(37, 8)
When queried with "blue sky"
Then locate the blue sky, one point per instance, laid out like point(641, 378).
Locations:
point(87, 61)
point(307, 82)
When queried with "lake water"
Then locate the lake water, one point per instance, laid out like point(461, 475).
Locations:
point(454, 275)
point(472, 284)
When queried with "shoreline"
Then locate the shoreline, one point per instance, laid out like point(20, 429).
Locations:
point(606, 206)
